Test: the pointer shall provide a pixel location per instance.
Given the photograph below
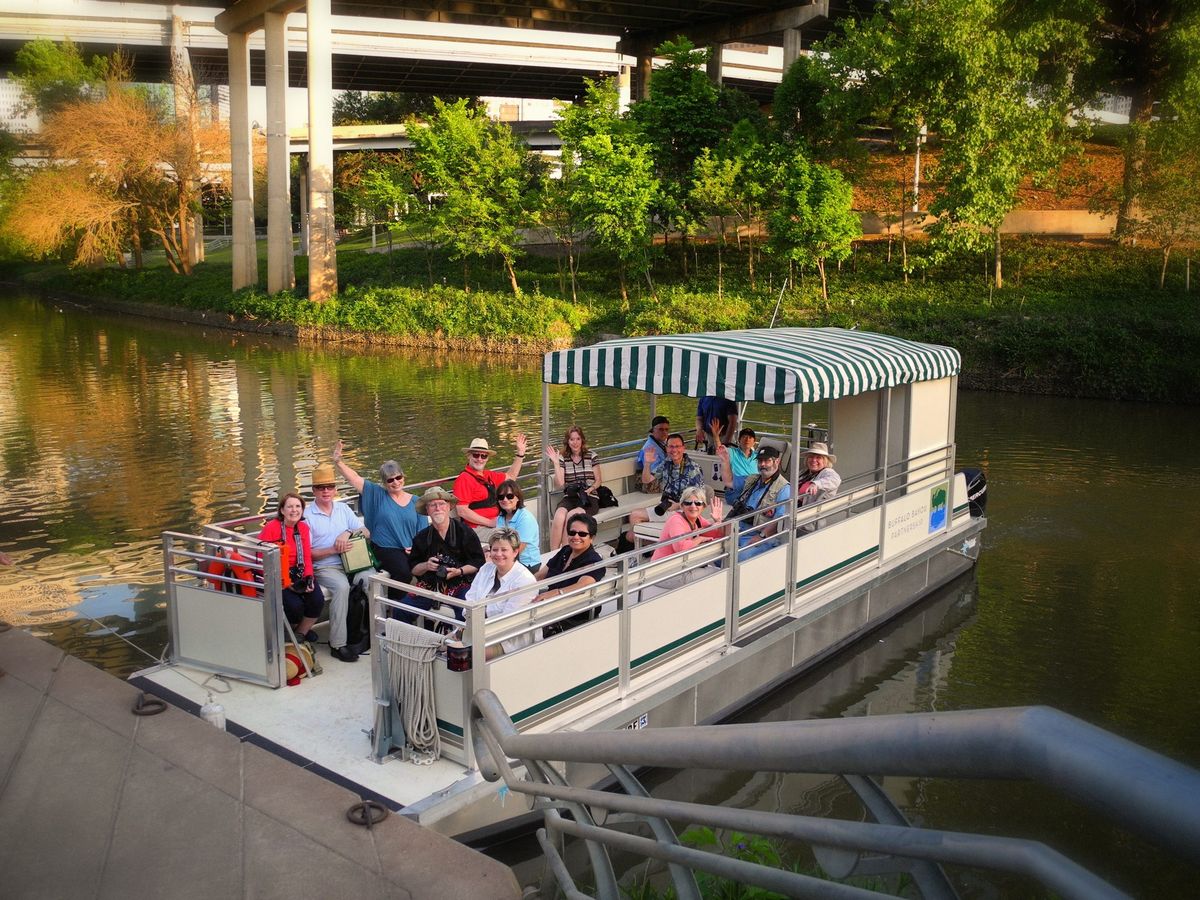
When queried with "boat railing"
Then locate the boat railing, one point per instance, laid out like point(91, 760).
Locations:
point(618, 632)
point(1148, 794)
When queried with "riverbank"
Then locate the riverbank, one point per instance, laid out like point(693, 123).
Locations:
point(1075, 318)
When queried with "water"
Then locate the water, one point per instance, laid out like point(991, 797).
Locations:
point(114, 429)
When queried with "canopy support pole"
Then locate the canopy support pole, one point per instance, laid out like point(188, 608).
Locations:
point(793, 508)
point(547, 476)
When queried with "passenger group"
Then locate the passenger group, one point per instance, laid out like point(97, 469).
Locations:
point(433, 541)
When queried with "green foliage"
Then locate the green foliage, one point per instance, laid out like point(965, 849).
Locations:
point(678, 120)
point(484, 180)
point(817, 115)
point(608, 184)
point(1076, 319)
point(53, 75)
point(812, 221)
point(387, 107)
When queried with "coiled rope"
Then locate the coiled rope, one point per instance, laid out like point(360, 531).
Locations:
point(411, 652)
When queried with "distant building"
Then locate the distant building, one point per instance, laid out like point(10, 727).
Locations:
point(13, 116)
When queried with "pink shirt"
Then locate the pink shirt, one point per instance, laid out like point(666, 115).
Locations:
point(677, 526)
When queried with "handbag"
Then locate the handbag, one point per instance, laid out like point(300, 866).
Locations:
point(606, 497)
point(360, 556)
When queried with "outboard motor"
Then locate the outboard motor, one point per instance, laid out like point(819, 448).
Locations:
point(976, 491)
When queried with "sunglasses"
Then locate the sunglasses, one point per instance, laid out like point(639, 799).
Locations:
point(692, 503)
point(579, 534)
point(506, 496)
point(324, 487)
point(395, 478)
point(480, 455)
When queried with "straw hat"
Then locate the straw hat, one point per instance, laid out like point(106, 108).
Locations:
point(434, 493)
point(323, 475)
point(816, 448)
point(479, 445)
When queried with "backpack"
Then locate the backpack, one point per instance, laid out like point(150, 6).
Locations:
point(358, 615)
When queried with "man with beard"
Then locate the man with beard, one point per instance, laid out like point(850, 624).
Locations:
point(446, 555)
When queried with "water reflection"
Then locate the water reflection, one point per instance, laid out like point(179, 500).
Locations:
point(114, 429)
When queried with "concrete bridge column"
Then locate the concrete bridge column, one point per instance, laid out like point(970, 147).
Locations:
point(245, 251)
point(645, 65)
point(624, 88)
point(791, 47)
point(281, 271)
point(322, 252)
point(714, 63)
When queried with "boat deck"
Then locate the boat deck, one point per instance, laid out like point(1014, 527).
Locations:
point(323, 723)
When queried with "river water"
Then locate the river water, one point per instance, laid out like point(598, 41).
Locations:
point(113, 429)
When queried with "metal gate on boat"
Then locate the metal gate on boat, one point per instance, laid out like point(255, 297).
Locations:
point(224, 606)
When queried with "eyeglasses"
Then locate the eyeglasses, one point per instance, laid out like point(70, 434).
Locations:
point(324, 487)
point(506, 496)
point(395, 478)
point(579, 534)
point(480, 455)
point(692, 503)
point(766, 461)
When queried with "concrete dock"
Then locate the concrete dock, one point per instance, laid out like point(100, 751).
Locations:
point(97, 802)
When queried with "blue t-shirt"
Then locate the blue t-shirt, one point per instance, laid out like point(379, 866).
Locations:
point(531, 536)
point(710, 408)
point(390, 524)
point(660, 452)
point(743, 466)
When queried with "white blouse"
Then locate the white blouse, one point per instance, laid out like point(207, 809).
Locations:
point(518, 576)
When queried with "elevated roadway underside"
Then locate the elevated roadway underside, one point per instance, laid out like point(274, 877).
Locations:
point(630, 28)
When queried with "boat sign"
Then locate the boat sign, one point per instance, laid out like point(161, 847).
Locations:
point(640, 722)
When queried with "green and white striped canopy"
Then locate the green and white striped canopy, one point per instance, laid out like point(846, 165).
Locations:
point(777, 365)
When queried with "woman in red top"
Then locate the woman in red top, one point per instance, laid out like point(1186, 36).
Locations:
point(302, 597)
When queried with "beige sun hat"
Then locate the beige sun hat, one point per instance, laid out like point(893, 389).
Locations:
point(323, 475)
point(435, 493)
point(479, 445)
point(818, 449)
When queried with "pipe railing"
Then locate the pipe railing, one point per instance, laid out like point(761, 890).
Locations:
point(1149, 794)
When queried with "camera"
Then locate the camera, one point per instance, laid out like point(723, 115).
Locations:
point(665, 502)
point(442, 572)
point(301, 583)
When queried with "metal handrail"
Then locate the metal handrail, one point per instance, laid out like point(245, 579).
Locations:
point(1148, 793)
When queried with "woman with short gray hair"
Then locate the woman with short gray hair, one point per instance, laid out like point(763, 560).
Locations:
point(390, 514)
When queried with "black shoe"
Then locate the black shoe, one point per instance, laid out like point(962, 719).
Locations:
point(363, 647)
point(310, 638)
point(345, 654)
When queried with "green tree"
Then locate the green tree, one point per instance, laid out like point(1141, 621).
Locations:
point(678, 120)
point(598, 112)
point(892, 69)
point(482, 180)
point(614, 191)
point(714, 187)
point(815, 113)
point(53, 75)
point(813, 220)
point(1008, 119)
point(1146, 49)
point(1168, 211)
point(386, 107)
